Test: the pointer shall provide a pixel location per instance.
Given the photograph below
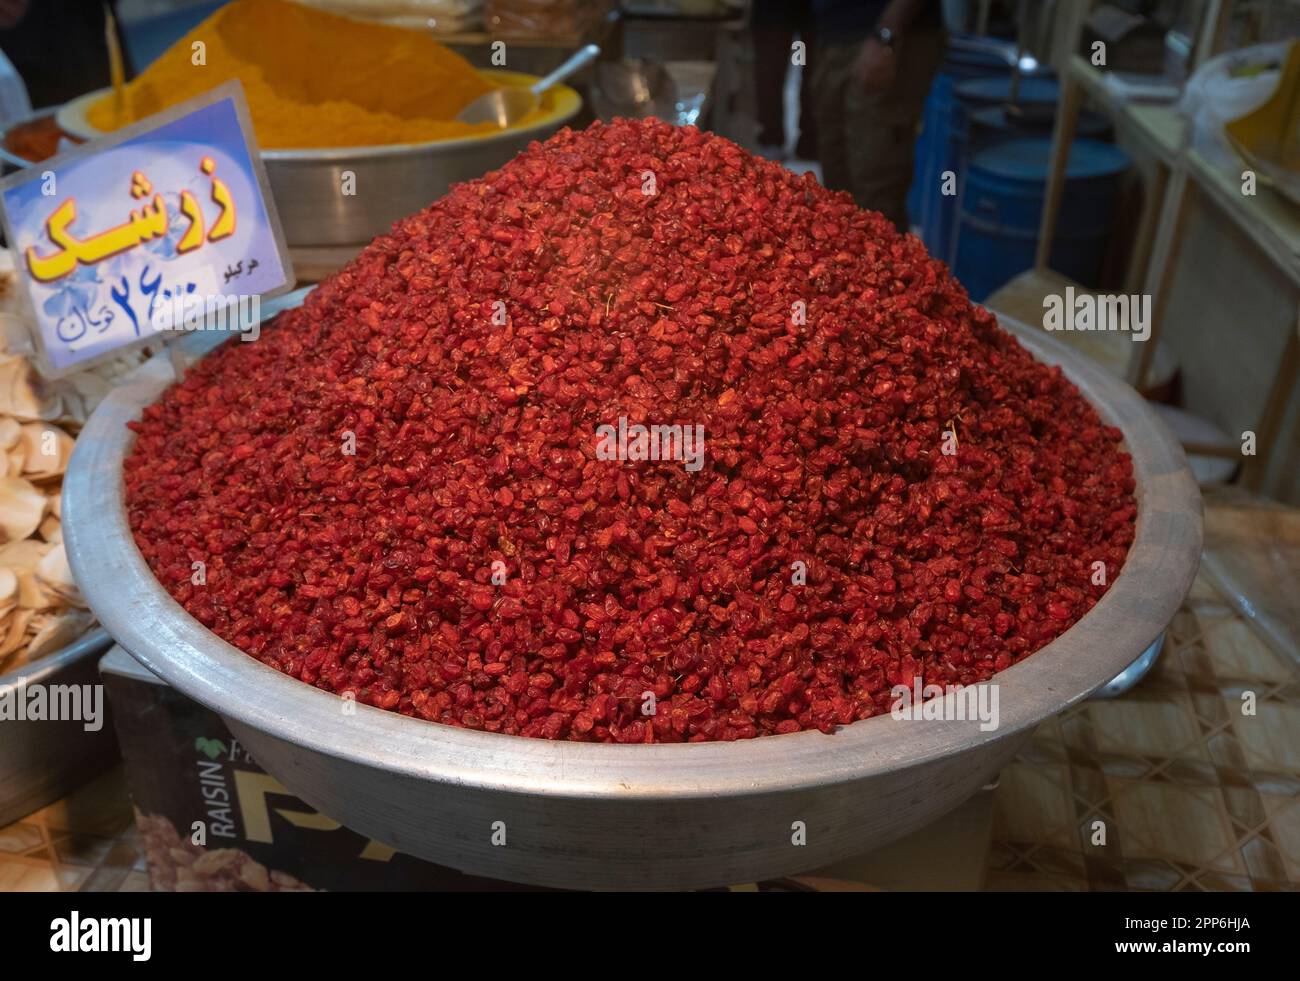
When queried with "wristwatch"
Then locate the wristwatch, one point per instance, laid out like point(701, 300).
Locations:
point(886, 37)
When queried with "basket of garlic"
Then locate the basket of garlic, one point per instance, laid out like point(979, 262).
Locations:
point(50, 644)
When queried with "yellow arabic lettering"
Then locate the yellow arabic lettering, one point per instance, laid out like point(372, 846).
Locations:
point(193, 236)
point(140, 186)
point(151, 222)
point(51, 267)
point(225, 224)
point(141, 226)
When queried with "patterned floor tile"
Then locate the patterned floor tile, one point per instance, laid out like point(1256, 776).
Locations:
point(1033, 803)
point(1284, 823)
point(1182, 824)
point(20, 838)
point(1193, 793)
point(1145, 726)
point(1151, 874)
point(1237, 653)
point(1270, 739)
point(1033, 882)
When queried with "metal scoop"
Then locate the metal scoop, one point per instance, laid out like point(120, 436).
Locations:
point(507, 106)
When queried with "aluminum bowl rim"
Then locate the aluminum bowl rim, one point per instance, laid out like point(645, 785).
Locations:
point(71, 117)
point(43, 669)
point(140, 614)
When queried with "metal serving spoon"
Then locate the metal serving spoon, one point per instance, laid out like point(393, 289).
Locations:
point(507, 106)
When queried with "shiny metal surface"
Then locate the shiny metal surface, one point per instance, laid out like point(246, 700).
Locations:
point(505, 107)
point(388, 182)
point(501, 107)
point(41, 761)
point(607, 816)
point(389, 185)
point(1134, 673)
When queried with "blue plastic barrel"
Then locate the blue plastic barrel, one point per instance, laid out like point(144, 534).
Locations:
point(1036, 92)
point(1002, 204)
point(931, 212)
point(940, 146)
point(991, 114)
point(991, 124)
point(979, 102)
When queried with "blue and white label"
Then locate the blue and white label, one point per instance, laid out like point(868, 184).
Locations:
point(114, 238)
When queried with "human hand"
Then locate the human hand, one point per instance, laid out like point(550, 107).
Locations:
point(876, 66)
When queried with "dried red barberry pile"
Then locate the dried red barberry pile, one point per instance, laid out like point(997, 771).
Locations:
point(827, 550)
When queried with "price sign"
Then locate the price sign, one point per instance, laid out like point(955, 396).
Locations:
point(165, 226)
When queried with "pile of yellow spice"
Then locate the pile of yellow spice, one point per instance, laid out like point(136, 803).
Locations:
point(312, 79)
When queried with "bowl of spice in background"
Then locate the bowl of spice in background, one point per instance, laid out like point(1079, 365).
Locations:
point(483, 641)
point(32, 141)
point(348, 149)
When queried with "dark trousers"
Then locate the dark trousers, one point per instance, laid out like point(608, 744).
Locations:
point(775, 24)
point(866, 140)
point(58, 48)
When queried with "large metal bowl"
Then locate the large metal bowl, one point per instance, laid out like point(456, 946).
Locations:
point(390, 181)
point(609, 816)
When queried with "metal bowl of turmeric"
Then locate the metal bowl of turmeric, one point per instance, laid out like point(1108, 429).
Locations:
point(332, 197)
point(356, 121)
point(391, 182)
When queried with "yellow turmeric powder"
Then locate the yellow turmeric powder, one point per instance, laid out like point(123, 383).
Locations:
point(312, 79)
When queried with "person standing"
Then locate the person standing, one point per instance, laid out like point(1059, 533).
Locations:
point(775, 24)
point(875, 60)
point(58, 47)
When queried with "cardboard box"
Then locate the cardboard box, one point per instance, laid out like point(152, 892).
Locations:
point(214, 821)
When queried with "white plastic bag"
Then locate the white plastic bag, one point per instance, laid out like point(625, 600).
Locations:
point(1216, 94)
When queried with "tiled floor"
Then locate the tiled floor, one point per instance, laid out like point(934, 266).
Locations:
point(1191, 790)
point(1172, 786)
point(86, 841)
